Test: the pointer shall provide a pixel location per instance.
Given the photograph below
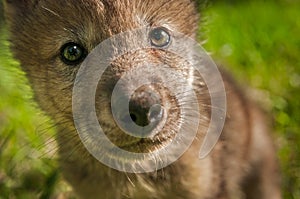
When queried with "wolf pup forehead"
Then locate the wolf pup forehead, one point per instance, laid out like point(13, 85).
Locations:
point(93, 21)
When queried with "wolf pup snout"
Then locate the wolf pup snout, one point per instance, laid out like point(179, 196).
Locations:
point(145, 110)
point(145, 107)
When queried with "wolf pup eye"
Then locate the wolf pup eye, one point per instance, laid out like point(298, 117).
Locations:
point(72, 53)
point(159, 37)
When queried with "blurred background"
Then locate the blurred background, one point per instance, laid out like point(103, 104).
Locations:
point(257, 41)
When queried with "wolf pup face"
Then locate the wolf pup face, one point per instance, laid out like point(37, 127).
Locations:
point(54, 39)
point(52, 42)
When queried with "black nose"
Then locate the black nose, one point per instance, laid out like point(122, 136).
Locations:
point(145, 108)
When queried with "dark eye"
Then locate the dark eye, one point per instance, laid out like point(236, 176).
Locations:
point(72, 53)
point(159, 37)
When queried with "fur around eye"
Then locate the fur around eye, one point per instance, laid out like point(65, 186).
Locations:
point(72, 53)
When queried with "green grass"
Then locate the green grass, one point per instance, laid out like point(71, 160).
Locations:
point(258, 41)
point(27, 169)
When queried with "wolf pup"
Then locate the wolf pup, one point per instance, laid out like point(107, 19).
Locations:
point(52, 38)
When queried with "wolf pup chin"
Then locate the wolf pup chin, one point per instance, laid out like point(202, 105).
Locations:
point(52, 38)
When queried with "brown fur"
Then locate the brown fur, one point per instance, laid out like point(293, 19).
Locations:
point(242, 164)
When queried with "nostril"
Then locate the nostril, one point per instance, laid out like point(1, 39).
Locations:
point(133, 117)
point(137, 119)
point(144, 109)
point(143, 117)
point(139, 116)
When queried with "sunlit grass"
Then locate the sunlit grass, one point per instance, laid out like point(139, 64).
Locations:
point(25, 165)
point(259, 42)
